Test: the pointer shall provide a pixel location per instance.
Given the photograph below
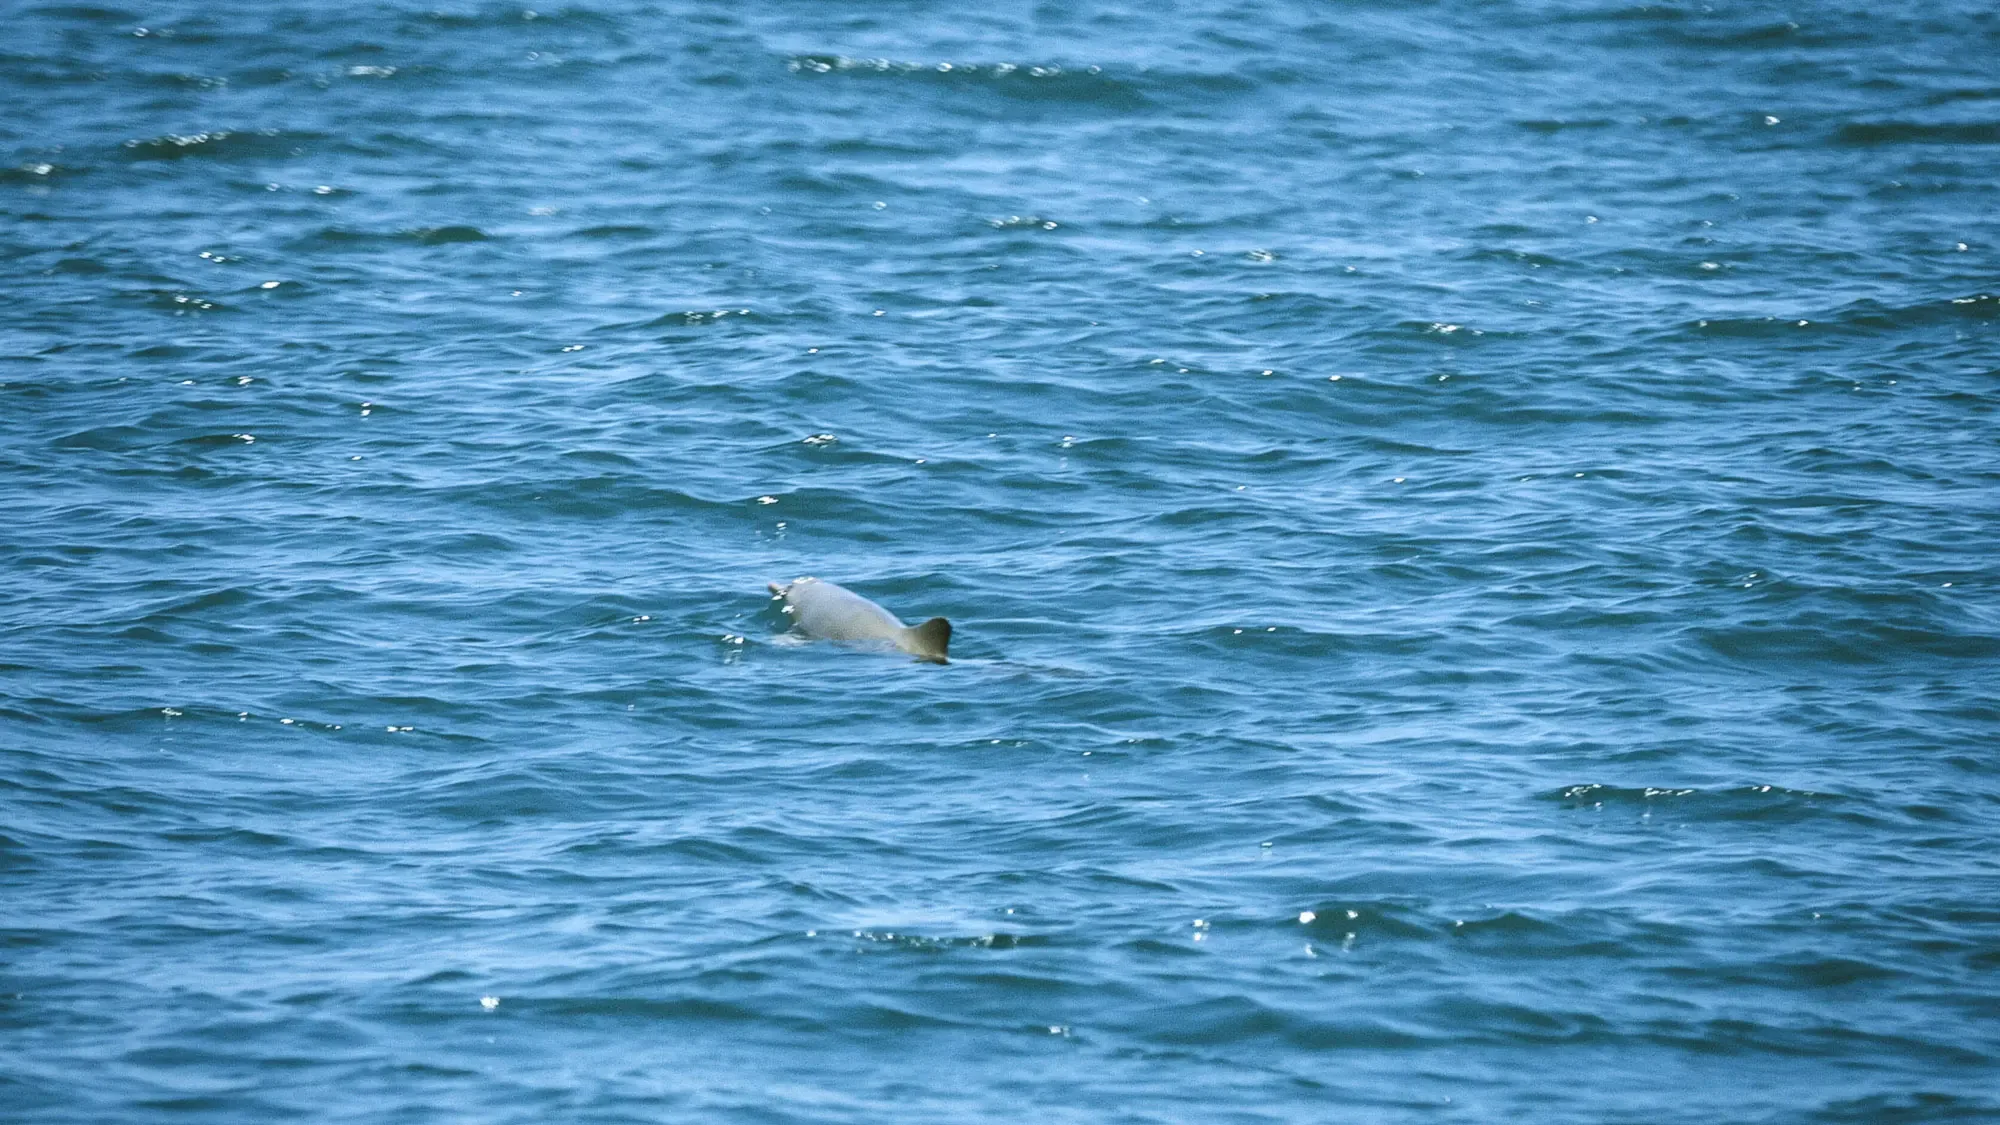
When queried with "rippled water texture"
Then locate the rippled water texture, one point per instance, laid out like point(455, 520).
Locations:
point(1471, 530)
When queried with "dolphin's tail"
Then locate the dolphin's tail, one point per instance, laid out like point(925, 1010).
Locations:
point(929, 640)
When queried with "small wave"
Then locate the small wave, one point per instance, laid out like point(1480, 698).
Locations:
point(1511, 256)
point(1741, 803)
point(1709, 34)
point(689, 318)
point(1632, 13)
point(1874, 316)
point(219, 144)
point(1350, 920)
point(107, 439)
point(176, 301)
point(926, 943)
point(517, 16)
point(420, 236)
point(1234, 1020)
point(1865, 317)
point(601, 495)
point(682, 1010)
point(1448, 333)
point(37, 172)
point(1086, 85)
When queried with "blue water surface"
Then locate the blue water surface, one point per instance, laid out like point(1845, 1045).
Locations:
point(1472, 530)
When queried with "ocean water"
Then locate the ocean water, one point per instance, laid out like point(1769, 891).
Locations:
point(1472, 530)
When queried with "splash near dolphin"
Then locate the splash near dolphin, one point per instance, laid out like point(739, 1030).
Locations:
point(835, 613)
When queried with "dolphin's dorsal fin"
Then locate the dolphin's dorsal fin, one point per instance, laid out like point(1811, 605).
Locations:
point(929, 640)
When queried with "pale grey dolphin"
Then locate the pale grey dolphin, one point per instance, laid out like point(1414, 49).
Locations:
point(822, 609)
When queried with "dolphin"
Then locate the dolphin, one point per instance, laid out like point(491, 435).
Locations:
point(822, 609)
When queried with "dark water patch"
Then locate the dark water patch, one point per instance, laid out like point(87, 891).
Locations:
point(109, 439)
point(1811, 972)
point(1553, 126)
point(1785, 328)
point(419, 236)
point(86, 13)
point(1525, 259)
point(1872, 133)
point(1870, 317)
point(1520, 1023)
point(216, 441)
point(1916, 1108)
point(1758, 36)
point(438, 236)
point(1730, 1036)
point(611, 231)
point(228, 839)
point(1836, 641)
point(1967, 93)
point(180, 80)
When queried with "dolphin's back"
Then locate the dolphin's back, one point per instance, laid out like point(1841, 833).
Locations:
point(822, 609)
point(839, 614)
